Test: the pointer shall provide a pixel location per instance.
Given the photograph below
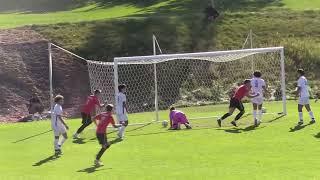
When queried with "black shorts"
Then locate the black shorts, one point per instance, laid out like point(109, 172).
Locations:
point(102, 138)
point(235, 103)
point(86, 118)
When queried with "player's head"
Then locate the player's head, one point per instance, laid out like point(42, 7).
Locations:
point(257, 74)
point(97, 92)
point(172, 108)
point(122, 88)
point(300, 72)
point(247, 83)
point(59, 99)
point(109, 108)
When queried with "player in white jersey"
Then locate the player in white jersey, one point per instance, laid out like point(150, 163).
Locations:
point(303, 93)
point(258, 86)
point(58, 125)
point(121, 110)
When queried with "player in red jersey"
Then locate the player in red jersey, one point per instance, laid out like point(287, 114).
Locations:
point(87, 109)
point(104, 118)
point(235, 102)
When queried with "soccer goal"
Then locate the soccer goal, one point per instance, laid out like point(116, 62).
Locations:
point(198, 82)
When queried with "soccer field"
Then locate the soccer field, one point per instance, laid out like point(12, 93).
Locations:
point(271, 151)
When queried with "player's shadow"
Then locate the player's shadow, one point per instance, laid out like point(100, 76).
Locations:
point(92, 169)
point(299, 127)
point(240, 130)
point(317, 135)
point(46, 160)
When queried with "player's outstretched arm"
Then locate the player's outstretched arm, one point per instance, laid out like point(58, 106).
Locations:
point(252, 96)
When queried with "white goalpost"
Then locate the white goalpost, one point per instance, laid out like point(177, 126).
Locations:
point(196, 81)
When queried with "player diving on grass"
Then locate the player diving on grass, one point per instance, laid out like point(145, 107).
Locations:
point(303, 93)
point(104, 119)
point(258, 86)
point(177, 118)
point(58, 125)
point(91, 103)
point(235, 102)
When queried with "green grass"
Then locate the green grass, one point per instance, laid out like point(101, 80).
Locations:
point(111, 10)
point(302, 5)
point(151, 152)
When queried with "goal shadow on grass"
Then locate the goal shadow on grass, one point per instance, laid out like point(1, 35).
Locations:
point(36, 135)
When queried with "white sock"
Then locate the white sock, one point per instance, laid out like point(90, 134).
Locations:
point(311, 115)
point(56, 146)
point(122, 129)
point(259, 115)
point(62, 140)
point(254, 114)
point(301, 116)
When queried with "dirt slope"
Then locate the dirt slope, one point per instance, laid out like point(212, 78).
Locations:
point(24, 71)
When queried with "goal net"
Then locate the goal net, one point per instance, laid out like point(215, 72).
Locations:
point(199, 84)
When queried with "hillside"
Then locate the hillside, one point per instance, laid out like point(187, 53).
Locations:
point(18, 13)
point(24, 71)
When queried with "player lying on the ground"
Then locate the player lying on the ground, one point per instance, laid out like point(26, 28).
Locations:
point(121, 108)
point(258, 86)
point(235, 102)
point(303, 93)
point(177, 118)
point(104, 119)
point(58, 125)
point(87, 109)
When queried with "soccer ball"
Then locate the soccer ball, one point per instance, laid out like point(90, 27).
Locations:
point(165, 123)
point(264, 110)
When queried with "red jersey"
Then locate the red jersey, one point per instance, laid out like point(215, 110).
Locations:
point(90, 105)
point(241, 92)
point(105, 118)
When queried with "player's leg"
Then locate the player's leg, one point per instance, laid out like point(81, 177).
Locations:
point(86, 121)
point(310, 113)
point(62, 139)
point(56, 145)
point(254, 111)
point(104, 146)
point(300, 106)
point(240, 107)
point(123, 120)
point(231, 110)
point(259, 115)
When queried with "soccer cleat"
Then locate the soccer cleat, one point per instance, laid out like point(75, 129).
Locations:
point(188, 126)
point(300, 123)
point(256, 122)
point(312, 121)
point(76, 136)
point(57, 152)
point(98, 163)
point(234, 123)
point(219, 122)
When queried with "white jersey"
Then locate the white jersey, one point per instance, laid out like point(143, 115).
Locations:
point(55, 122)
point(303, 84)
point(257, 85)
point(121, 98)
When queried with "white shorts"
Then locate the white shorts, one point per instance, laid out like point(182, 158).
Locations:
point(257, 100)
point(59, 130)
point(304, 100)
point(122, 117)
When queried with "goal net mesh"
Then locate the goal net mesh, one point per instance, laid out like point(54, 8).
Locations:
point(200, 84)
